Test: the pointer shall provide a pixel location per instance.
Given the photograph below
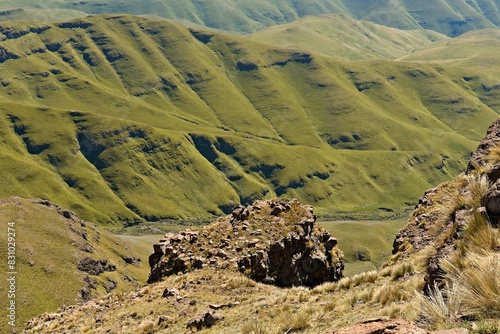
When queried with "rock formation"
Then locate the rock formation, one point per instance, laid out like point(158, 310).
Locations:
point(275, 242)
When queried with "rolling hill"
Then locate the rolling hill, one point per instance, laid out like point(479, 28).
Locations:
point(120, 118)
point(449, 17)
point(343, 37)
point(39, 14)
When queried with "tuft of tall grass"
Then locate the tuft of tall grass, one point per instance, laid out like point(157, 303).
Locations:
point(441, 307)
point(478, 185)
point(478, 283)
point(480, 234)
point(254, 327)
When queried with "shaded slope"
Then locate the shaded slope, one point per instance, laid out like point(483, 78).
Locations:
point(449, 17)
point(122, 119)
point(343, 37)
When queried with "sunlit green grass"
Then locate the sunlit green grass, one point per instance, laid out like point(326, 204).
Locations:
point(366, 244)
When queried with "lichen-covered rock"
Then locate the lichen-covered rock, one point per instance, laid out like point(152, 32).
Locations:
point(275, 242)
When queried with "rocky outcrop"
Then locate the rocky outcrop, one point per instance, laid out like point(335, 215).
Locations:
point(388, 326)
point(95, 267)
point(206, 320)
point(487, 152)
point(490, 141)
point(443, 213)
point(6, 55)
point(275, 242)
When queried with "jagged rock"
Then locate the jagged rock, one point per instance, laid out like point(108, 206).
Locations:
point(491, 202)
point(261, 241)
point(95, 267)
point(221, 306)
point(208, 319)
point(170, 293)
point(491, 140)
point(164, 320)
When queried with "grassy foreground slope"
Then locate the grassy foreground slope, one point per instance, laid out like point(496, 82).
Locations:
point(450, 17)
point(122, 119)
point(49, 245)
point(343, 37)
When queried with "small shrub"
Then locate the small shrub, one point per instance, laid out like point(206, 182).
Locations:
point(401, 269)
point(388, 294)
point(239, 282)
point(292, 321)
point(478, 186)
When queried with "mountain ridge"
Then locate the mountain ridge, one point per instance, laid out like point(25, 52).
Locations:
point(342, 37)
point(118, 137)
point(449, 17)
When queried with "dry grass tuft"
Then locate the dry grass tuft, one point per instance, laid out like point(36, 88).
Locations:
point(239, 282)
point(254, 327)
point(478, 185)
point(441, 308)
point(478, 283)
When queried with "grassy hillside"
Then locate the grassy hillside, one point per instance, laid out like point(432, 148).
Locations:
point(49, 245)
point(39, 14)
point(367, 245)
point(123, 119)
point(449, 17)
point(343, 37)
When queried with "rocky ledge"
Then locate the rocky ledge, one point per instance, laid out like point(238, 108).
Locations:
point(275, 242)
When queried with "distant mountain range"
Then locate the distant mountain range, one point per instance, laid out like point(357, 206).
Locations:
point(449, 17)
point(121, 118)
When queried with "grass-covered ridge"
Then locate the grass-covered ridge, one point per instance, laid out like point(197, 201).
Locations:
point(343, 37)
point(121, 119)
point(449, 17)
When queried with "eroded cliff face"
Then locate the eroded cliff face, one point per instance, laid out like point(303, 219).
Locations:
point(275, 242)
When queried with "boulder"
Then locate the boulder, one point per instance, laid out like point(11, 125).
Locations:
point(206, 320)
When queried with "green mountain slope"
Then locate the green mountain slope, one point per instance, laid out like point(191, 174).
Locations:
point(450, 17)
point(121, 119)
point(51, 247)
point(343, 37)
